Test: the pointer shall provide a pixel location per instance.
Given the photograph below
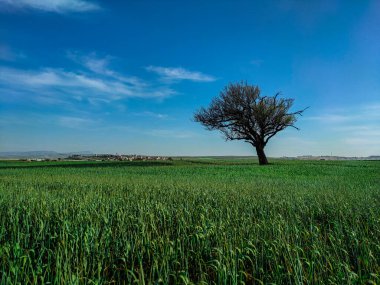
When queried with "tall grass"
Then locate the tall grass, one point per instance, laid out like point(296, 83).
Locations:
point(184, 222)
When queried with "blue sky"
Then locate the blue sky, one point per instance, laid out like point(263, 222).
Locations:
point(127, 76)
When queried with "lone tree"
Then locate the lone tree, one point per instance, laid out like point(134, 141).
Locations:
point(241, 113)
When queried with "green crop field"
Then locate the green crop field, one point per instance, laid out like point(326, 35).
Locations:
point(200, 221)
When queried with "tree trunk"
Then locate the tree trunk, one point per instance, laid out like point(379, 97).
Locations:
point(261, 155)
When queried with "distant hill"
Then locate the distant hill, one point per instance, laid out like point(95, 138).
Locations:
point(39, 154)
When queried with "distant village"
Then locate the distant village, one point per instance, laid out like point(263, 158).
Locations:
point(116, 157)
point(89, 156)
point(135, 157)
point(102, 157)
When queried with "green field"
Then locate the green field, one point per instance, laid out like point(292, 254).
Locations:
point(201, 221)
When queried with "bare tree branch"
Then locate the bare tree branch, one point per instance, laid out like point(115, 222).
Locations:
point(241, 113)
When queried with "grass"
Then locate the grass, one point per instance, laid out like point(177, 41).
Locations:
point(200, 221)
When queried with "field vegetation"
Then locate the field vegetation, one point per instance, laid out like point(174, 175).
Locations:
point(200, 221)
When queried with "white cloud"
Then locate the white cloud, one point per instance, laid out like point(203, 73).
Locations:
point(179, 73)
point(359, 113)
point(362, 135)
point(100, 65)
point(152, 114)
point(373, 107)
point(331, 118)
point(93, 82)
point(372, 110)
point(97, 65)
point(58, 6)
point(52, 82)
point(78, 120)
point(357, 129)
point(361, 130)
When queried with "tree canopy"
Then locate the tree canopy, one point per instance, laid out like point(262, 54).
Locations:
point(241, 113)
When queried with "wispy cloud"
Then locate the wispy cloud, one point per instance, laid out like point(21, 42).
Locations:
point(100, 65)
point(58, 6)
point(76, 120)
point(51, 82)
point(93, 82)
point(361, 113)
point(179, 73)
point(332, 118)
point(152, 115)
point(356, 128)
point(369, 131)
